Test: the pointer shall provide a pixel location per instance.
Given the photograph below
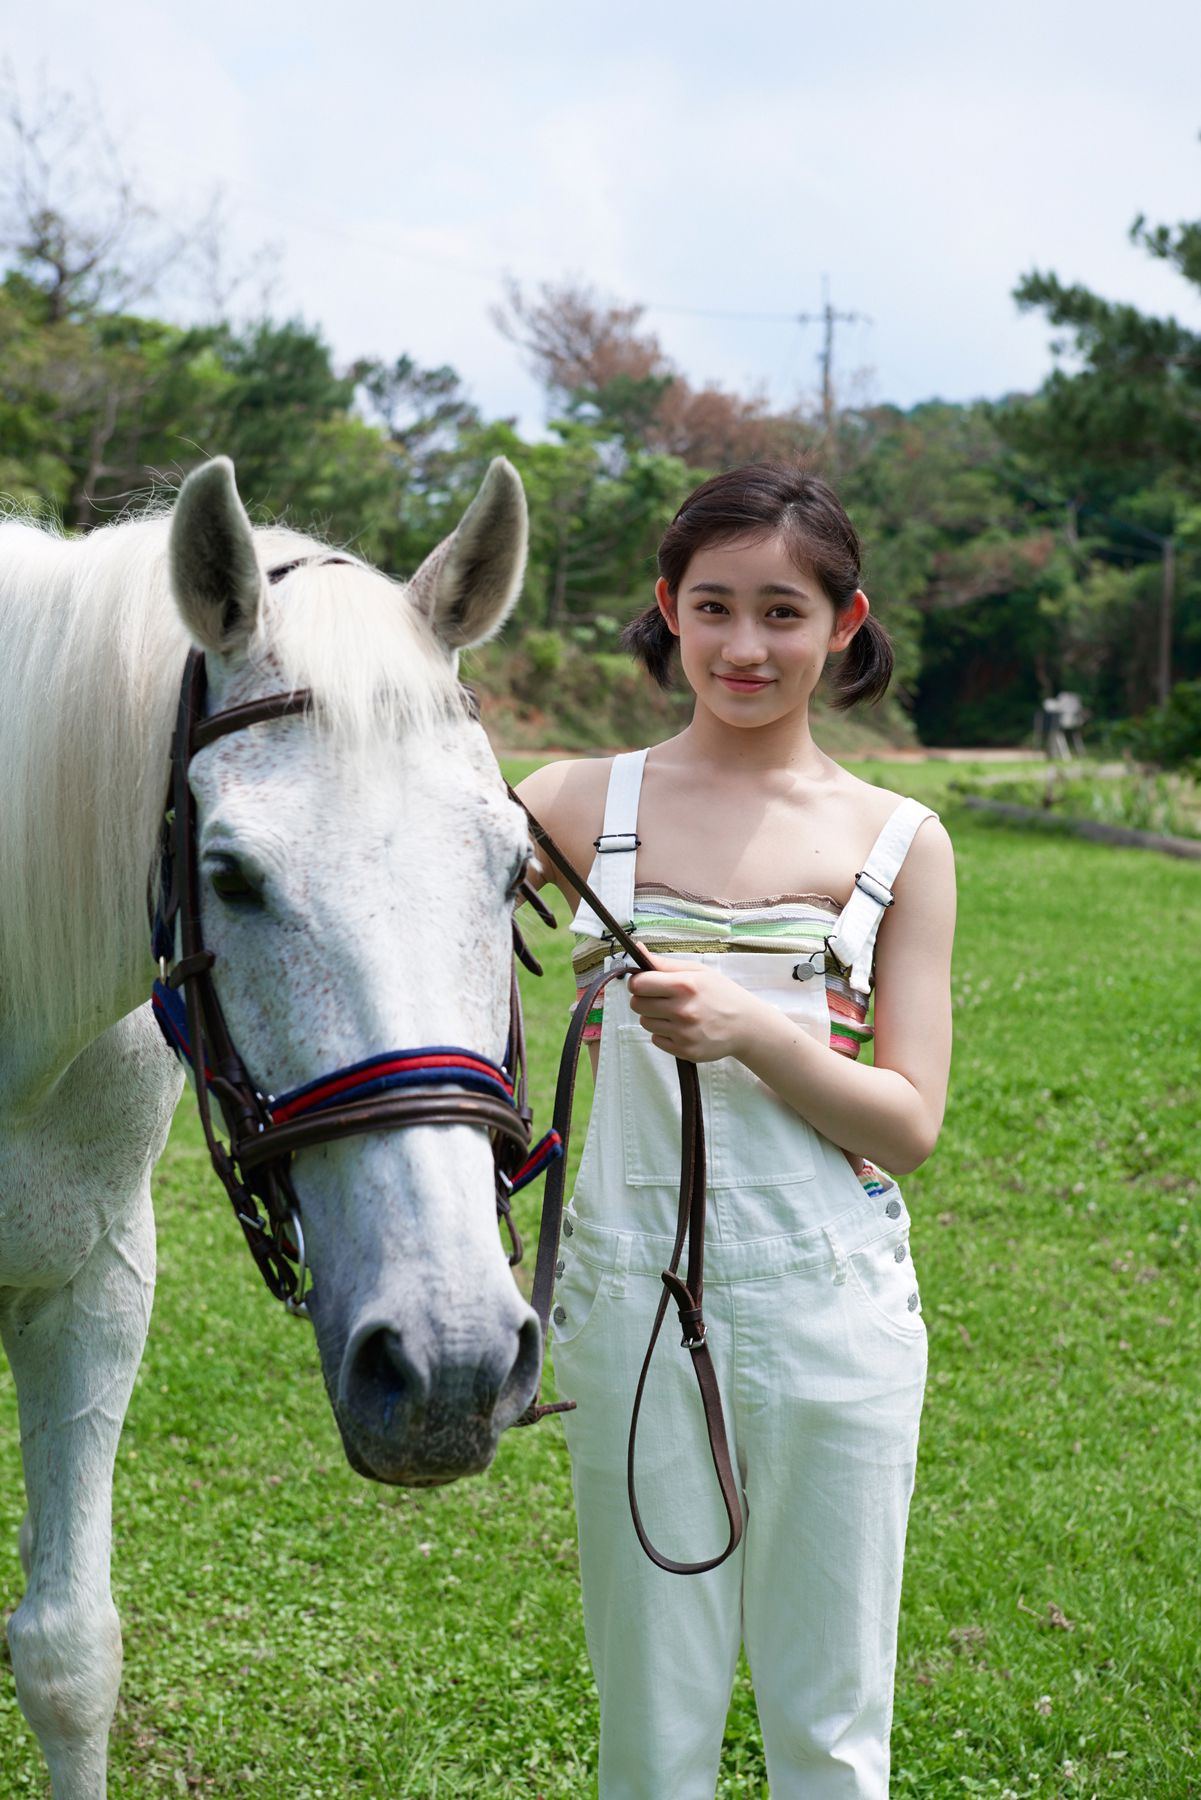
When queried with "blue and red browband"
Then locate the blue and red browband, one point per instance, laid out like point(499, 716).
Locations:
point(435, 1065)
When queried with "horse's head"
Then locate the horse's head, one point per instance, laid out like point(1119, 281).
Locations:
point(357, 869)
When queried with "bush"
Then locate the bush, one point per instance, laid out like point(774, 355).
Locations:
point(545, 651)
point(1169, 735)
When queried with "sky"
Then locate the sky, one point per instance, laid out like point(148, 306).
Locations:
point(386, 167)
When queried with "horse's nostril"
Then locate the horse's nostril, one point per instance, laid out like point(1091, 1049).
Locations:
point(522, 1381)
point(384, 1377)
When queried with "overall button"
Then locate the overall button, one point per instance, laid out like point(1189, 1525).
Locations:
point(560, 1314)
point(893, 1209)
point(899, 1253)
point(568, 1228)
point(913, 1302)
point(560, 1266)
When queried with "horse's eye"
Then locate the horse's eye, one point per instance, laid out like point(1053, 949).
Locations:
point(230, 882)
point(519, 874)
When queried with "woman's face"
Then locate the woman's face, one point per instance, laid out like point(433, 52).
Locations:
point(754, 630)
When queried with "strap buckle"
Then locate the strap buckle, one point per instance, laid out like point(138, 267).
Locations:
point(875, 890)
point(615, 843)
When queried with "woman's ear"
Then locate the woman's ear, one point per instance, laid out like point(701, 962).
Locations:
point(668, 606)
point(848, 621)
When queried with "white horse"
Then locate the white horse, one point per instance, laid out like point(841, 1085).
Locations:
point(357, 873)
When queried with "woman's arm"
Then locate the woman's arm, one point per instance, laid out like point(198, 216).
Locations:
point(890, 1110)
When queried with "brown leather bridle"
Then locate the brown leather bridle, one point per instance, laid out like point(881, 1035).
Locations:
point(441, 1085)
point(255, 1166)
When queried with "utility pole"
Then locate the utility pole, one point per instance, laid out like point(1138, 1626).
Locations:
point(1167, 593)
point(828, 318)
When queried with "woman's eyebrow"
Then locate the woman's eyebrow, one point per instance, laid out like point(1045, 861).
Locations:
point(769, 587)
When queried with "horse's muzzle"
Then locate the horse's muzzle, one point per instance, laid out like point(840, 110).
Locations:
point(417, 1413)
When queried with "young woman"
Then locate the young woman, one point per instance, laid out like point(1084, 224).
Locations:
point(774, 889)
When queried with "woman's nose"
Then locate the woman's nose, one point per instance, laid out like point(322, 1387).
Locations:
point(744, 647)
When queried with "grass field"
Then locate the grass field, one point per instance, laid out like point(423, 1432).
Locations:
point(292, 1631)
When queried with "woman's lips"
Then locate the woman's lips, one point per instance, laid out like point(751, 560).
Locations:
point(744, 684)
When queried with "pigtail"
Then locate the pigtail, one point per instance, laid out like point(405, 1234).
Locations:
point(864, 669)
point(650, 640)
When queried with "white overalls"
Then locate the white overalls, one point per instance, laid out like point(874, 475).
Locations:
point(817, 1337)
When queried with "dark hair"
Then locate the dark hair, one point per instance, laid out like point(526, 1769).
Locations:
point(751, 502)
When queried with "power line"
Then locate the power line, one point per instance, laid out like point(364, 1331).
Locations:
point(718, 312)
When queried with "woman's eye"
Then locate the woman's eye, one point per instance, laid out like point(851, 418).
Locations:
point(229, 881)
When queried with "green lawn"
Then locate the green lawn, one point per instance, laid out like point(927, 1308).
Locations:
point(292, 1631)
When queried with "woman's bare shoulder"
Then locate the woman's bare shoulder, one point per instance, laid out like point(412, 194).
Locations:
point(872, 805)
point(930, 856)
point(568, 799)
point(929, 865)
point(574, 785)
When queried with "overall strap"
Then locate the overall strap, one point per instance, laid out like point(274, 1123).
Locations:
point(852, 943)
point(612, 871)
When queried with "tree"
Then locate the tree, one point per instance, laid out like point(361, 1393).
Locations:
point(593, 526)
point(598, 363)
point(423, 412)
point(1119, 440)
point(73, 219)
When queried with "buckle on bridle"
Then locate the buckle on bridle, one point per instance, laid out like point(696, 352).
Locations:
point(296, 1303)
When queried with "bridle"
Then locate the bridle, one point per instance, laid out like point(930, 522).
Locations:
point(432, 1085)
point(441, 1084)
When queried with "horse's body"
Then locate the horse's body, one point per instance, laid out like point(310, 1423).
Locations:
point(356, 868)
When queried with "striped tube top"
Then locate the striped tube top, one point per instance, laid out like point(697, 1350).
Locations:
point(671, 923)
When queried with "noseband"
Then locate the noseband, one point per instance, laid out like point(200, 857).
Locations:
point(434, 1085)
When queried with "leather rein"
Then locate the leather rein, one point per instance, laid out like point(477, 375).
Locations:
point(433, 1085)
point(690, 1225)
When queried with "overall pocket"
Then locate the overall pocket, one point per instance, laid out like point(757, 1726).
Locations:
point(882, 1276)
point(650, 1110)
point(753, 1138)
point(577, 1292)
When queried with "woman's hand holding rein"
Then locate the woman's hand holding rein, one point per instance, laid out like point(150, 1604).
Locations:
point(698, 1014)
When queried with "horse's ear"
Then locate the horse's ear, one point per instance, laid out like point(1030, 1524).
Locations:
point(467, 586)
point(214, 570)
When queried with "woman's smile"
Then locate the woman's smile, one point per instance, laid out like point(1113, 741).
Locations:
point(745, 684)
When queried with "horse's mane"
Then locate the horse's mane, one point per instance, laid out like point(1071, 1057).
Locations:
point(92, 647)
